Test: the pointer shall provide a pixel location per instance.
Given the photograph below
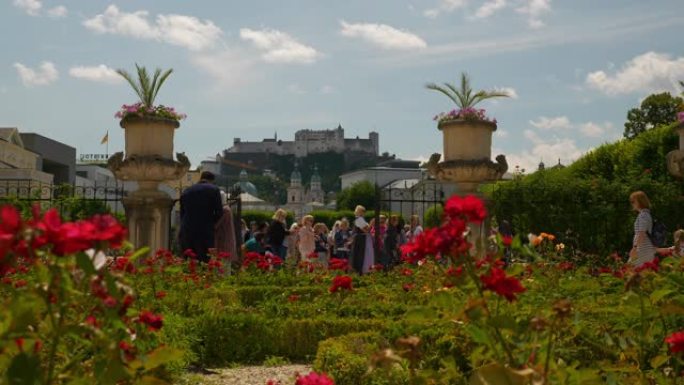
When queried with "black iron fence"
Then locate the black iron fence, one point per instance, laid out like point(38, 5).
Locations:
point(73, 201)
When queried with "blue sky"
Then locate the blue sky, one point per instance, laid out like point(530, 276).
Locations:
point(250, 68)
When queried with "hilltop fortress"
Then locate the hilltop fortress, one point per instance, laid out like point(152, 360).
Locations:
point(309, 142)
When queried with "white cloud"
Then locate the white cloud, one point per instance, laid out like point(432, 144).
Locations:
point(555, 123)
point(445, 6)
point(534, 9)
point(327, 89)
point(383, 35)
point(57, 12)
point(45, 74)
point(31, 7)
point(228, 68)
point(279, 47)
point(595, 130)
point(646, 73)
point(180, 30)
point(489, 8)
point(100, 73)
point(512, 93)
point(550, 151)
point(296, 89)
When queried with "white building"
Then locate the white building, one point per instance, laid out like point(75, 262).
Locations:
point(302, 201)
point(380, 176)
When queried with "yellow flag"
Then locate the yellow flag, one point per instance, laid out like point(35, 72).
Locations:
point(105, 139)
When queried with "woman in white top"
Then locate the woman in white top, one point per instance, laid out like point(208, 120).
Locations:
point(307, 238)
point(642, 248)
point(362, 245)
point(416, 229)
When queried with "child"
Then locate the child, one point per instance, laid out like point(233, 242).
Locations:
point(343, 240)
point(677, 248)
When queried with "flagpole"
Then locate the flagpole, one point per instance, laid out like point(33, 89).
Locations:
point(107, 148)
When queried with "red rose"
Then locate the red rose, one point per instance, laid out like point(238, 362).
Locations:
point(341, 282)
point(652, 265)
point(20, 283)
point(314, 379)
point(153, 321)
point(293, 298)
point(109, 301)
point(338, 264)
point(566, 266)
point(470, 208)
point(407, 272)
point(408, 287)
point(498, 282)
point(160, 294)
point(507, 240)
point(676, 341)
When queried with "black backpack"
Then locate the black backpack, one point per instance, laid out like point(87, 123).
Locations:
point(658, 233)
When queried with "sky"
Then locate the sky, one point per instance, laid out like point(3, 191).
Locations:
point(251, 69)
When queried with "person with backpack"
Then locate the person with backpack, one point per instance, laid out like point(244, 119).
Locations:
point(643, 249)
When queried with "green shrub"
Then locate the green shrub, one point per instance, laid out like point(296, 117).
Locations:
point(433, 216)
point(347, 360)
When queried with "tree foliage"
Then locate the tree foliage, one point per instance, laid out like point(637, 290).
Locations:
point(656, 110)
point(361, 193)
point(587, 203)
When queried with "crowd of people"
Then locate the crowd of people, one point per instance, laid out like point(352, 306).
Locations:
point(207, 226)
point(353, 240)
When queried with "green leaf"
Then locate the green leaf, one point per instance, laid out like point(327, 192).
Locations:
point(161, 356)
point(478, 335)
point(657, 361)
point(660, 294)
point(24, 370)
point(85, 263)
point(495, 374)
point(139, 253)
point(420, 314)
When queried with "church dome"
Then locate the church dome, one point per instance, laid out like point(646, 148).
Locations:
point(295, 176)
point(245, 185)
point(315, 178)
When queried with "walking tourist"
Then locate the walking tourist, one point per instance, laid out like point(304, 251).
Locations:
point(277, 232)
point(224, 231)
point(343, 240)
point(362, 245)
point(322, 245)
point(643, 250)
point(201, 208)
point(307, 238)
point(415, 228)
point(292, 242)
point(392, 239)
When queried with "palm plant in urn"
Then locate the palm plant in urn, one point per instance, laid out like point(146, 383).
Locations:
point(467, 131)
point(149, 129)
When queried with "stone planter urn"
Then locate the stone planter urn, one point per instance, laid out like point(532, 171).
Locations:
point(148, 160)
point(467, 155)
point(149, 136)
point(467, 139)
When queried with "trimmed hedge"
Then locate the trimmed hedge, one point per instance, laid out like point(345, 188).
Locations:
point(222, 339)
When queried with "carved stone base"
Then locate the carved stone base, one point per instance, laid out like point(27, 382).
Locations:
point(148, 214)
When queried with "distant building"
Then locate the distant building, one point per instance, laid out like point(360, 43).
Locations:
point(302, 201)
point(310, 142)
point(56, 158)
point(381, 176)
point(19, 167)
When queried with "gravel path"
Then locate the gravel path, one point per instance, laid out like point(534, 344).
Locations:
point(247, 375)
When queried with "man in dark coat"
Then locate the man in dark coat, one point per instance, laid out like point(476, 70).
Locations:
point(201, 208)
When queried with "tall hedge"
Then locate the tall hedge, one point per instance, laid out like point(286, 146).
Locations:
point(587, 203)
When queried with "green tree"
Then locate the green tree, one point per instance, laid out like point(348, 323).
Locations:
point(465, 97)
point(361, 193)
point(656, 110)
point(145, 87)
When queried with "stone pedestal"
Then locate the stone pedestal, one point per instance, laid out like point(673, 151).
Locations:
point(148, 210)
point(148, 213)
